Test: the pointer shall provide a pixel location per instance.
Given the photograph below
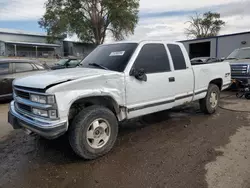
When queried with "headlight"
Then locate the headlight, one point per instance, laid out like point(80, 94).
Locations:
point(44, 113)
point(40, 112)
point(42, 99)
point(38, 99)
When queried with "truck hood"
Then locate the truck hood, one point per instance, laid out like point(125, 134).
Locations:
point(48, 79)
point(239, 62)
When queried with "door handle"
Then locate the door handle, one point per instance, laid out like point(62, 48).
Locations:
point(171, 79)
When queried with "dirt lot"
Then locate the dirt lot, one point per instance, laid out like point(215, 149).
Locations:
point(181, 148)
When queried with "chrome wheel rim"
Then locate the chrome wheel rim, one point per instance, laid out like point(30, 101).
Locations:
point(213, 99)
point(98, 133)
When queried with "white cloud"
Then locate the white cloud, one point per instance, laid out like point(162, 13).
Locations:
point(21, 9)
point(172, 28)
point(164, 5)
point(168, 27)
point(236, 23)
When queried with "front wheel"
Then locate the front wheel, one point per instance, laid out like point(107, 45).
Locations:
point(93, 132)
point(210, 103)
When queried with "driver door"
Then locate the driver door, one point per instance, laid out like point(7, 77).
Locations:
point(157, 92)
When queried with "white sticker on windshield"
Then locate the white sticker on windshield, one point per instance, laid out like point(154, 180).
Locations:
point(120, 53)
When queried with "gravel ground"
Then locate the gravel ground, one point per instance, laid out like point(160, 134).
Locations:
point(4, 126)
point(175, 149)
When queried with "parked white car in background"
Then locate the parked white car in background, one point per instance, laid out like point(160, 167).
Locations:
point(115, 82)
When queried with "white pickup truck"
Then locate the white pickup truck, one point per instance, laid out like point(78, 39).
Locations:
point(115, 82)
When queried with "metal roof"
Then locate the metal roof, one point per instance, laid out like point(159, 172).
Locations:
point(32, 44)
point(20, 32)
point(227, 35)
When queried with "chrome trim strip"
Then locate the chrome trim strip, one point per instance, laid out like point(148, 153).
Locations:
point(31, 115)
point(165, 102)
point(33, 104)
point(36, 122)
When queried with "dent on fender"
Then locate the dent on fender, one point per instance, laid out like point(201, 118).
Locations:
point(111, 85)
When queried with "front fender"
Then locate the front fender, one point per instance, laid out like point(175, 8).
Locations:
point(66, 99)
point(111, 85)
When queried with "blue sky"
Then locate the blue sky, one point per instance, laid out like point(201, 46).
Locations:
point(28, 25)
point(161, 20)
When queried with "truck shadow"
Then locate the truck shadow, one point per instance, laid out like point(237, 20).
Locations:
point(179, 143)
point(59, 151)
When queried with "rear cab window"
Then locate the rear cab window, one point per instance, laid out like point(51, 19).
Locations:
point(4, 68)
point(153, 58)
point(177, 57)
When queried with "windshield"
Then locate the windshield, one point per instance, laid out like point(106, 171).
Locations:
point(113, 57)
point(240, 54)
point(62, 62)
point(73, 62)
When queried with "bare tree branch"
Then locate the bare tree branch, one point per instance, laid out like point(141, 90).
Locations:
point(208, 24)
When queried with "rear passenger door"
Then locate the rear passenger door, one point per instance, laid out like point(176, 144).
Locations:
point(184, 77)
point(6, 78)
point(156, 93)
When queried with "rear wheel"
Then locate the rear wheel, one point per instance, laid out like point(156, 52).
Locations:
point(93, 132)
point(210, 103)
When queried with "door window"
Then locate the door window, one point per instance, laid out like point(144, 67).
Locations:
point(4, 68)
point(23, 67)
point(153, 58)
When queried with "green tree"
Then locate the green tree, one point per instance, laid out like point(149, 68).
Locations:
point(206, 25)
point(90, 19)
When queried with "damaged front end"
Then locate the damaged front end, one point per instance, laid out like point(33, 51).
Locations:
point(36, 111)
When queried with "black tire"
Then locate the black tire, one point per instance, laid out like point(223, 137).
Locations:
point(247, 96)
point(205, 105)
point(79, 127)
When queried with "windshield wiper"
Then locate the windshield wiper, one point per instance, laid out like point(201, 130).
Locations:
point(97, 65)
point(246, 58)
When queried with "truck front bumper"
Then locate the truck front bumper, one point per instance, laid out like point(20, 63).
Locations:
point(48, 129)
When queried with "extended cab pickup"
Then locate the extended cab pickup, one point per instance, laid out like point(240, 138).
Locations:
point(115, 82)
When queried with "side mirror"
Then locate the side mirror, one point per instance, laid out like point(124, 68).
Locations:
point(139, 74)
point(222, 59)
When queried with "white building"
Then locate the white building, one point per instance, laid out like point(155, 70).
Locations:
point(25, 44)
point(219, 46)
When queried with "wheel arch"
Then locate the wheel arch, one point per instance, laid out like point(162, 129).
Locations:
point(86, 101)
point(218, 82)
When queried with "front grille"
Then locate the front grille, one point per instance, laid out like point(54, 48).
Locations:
point(24, 107)
point(22, 94)
point(239, 70)
point(31, 89)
